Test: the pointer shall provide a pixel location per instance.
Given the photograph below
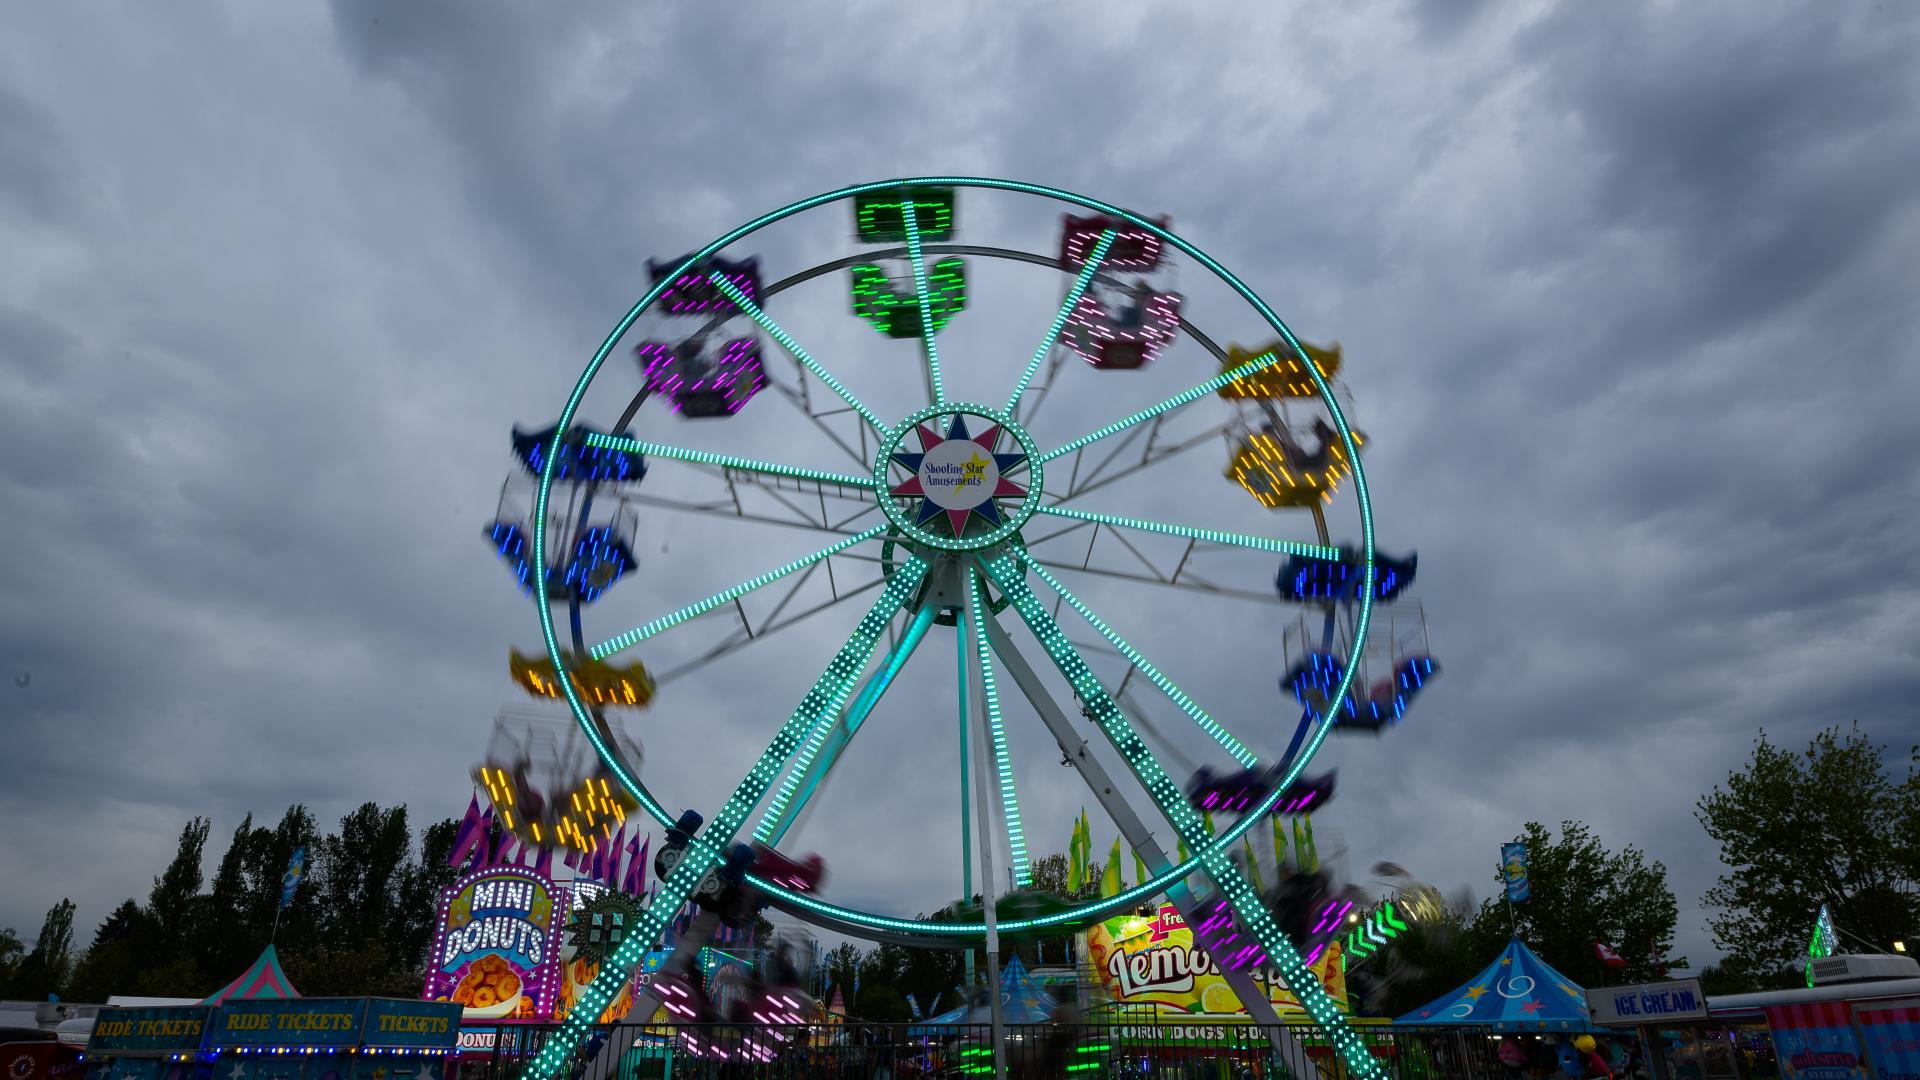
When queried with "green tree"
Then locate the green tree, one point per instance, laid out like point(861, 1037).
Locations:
point(44, 970)
point(115, 961)
point(1797, 830)
point(1581, 893)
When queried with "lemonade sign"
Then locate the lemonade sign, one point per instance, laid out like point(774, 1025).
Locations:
point(1153, 961)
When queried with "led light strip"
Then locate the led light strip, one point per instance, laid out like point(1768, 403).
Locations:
point(1187, 823)
point(725, 461)
point(1258, 363)
point(752, 311)
point(1003, 761)
point(826, 698)
point(920, 292)
point(1080, 284)
point(725, 596)
point(1211, 536)
point(1187, 705)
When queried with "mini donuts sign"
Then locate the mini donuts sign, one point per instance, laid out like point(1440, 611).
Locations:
point(497, 948)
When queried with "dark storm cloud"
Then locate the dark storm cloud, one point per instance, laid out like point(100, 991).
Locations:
point(1625, 298)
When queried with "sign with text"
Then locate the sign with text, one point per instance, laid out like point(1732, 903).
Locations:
point(394, 1022)
point(1890, 1034)
point(1648, 1004)
point(1815, 1041)
point(1154, 963)
point(288, 1022)
point(160, 1030)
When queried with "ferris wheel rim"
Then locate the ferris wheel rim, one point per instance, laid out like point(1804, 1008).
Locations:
point(1179, 870)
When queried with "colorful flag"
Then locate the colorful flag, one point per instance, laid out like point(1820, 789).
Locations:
point(289, 881)
point(572, 859)
point(1253, 864)
point(472, 833)
point(636, 879)
point(1513, 867)
point(507, 853)
point(1139, 869)
point(1659, 961)
point(1608, 956)
point(1279, 843)
point(544, 864)
point(1110, 878)
point(913, 1007)
point(616, 852)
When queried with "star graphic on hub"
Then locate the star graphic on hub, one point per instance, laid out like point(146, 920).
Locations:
point(952, 477)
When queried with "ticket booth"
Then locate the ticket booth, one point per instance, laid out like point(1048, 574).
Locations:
point(149, 1044)
point(334, 1039)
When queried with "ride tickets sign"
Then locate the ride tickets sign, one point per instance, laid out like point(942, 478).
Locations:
point(394, 1022)
point(497, 948)
point(288, 1022)
point(1153, 961)
point(174, 1029)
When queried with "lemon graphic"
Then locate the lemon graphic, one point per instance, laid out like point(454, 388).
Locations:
point(1219, 998)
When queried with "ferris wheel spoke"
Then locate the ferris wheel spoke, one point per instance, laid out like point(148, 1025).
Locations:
point(784, 810)
point(935, 389)
point(1188, 532)
point(752, 311)
point(1212, 853)
point(625, 444)
point(1080, 284)
point(725, 596)
point(1002, 759)
point(1187, 705)
point(705, 853)
point(1257, 364)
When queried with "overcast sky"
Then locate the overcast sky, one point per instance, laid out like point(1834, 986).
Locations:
point(1626, 295)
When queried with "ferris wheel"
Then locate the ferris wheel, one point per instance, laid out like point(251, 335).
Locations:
point(965, 516)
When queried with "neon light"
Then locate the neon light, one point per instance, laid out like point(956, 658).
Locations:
point(727, 461)
point(579, 460)
point(829, 693)
point(691, 293)
point(879, 215)
point(938, 296)
point(1288, 379)
point(725, 596)
point(1313, 576)
point(752, 311)
point(1003, 762)
point(1173, 402)
point(1211, 536)
point(600, 555)
point(1137, 247)
point(924, 303)
point(1261, 465)
point(1187, 705)
point(1362, 620)
point(702, 386)
point(1067, 306)
point(1109, 341)
point(629, 685)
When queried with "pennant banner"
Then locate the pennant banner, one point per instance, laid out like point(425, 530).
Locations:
point(1513, 869)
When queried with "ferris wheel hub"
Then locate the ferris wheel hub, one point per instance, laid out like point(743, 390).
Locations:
point(958, 477)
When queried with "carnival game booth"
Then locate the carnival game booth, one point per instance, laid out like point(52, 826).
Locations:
point(1518, 1014)
point(1860, 1018)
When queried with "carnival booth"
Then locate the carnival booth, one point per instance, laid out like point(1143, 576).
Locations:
point(149, 1044)
point(333, 1039)
point(1516, 1016)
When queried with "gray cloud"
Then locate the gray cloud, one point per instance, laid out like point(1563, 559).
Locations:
point(1623, 295)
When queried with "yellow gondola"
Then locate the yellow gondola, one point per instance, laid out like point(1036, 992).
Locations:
point(604, 684)
point(1278, 474)
point(1288, 378)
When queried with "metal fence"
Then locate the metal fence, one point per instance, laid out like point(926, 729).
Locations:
point(1119, 1051)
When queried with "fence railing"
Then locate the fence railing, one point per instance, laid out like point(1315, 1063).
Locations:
point(1116, 1051)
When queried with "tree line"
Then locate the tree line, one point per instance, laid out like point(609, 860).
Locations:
point(1830, 824)
point(359, 922)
